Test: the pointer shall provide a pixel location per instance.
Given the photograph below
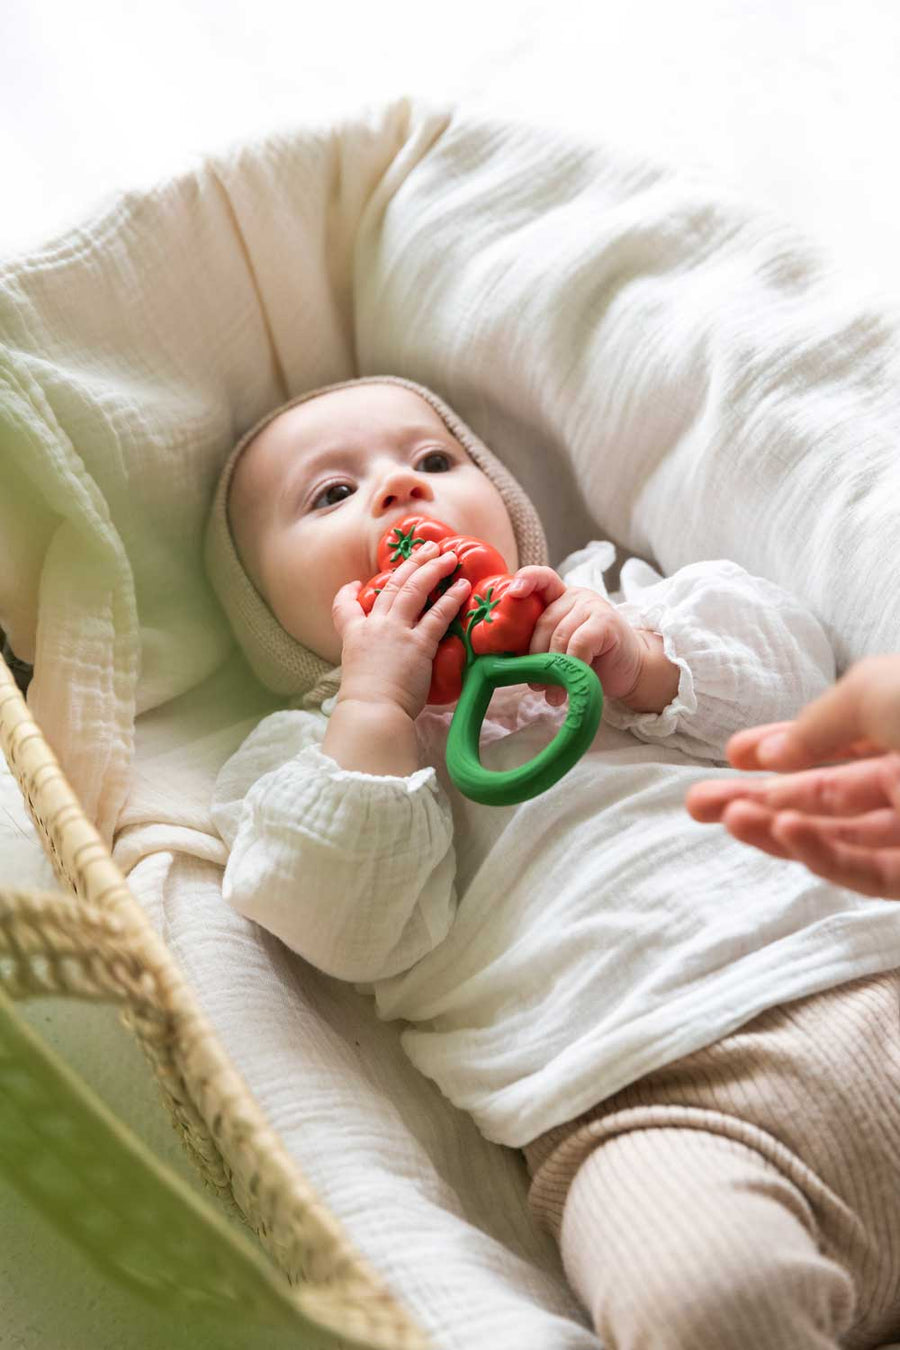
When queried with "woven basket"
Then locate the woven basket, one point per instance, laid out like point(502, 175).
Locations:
point(93, 1178)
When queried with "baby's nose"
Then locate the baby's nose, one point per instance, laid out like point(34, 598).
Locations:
point(408, 488)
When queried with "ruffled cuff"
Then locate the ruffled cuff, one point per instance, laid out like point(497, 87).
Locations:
point(326, 767)
point(656, 618)
point(353, 871)
point(747, 651)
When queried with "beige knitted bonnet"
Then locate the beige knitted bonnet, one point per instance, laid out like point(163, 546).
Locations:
point(280, 662)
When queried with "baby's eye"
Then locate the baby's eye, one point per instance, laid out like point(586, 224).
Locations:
point(434, 454)
point(422, 464)
point(332, 487)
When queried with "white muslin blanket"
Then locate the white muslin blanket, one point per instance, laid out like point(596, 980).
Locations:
point(659, 366)
point(546, 954)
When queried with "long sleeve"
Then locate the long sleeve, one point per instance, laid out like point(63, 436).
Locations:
point(748, 652)
point(355, 872)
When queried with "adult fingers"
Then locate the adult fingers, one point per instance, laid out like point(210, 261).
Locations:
point(707, 801)
point(788, 755)
point(741, 748)
point(871, 871)
point(752, 824)
point(865, 703)
point(876, 829)
point(842, 790)
point(864, 706)
point(776, 832)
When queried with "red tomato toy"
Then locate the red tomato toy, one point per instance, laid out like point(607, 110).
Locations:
point(484, 648)
point(499, 622)
point(493, 621)
point(398, 542)
point(447, 671)
point(368, 593)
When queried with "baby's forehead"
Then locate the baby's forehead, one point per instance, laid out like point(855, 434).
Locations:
point(310, 426)
point(301, 429)
point(381, 406)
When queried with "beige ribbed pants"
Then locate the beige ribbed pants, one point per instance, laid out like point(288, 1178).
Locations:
point(746, 1197)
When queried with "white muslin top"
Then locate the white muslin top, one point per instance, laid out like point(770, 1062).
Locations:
point(544, 955)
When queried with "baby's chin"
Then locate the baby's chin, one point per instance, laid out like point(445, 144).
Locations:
point(329, 652)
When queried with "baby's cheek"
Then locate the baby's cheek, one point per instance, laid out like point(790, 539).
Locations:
point(303, 610)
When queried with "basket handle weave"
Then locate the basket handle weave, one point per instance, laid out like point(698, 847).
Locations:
point(133, 1217)
point(90, 1175)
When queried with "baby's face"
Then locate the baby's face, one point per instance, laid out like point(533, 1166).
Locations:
point(314, 492)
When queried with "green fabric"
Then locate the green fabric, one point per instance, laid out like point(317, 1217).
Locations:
point(136, 1220)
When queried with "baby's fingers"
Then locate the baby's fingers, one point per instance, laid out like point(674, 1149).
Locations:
point(549, 584)
point(345, 605)
point(551, 635)
point(438, 617)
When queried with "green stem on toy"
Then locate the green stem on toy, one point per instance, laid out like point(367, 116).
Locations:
point(404, 544)
point(484, 608)
point(457, 628)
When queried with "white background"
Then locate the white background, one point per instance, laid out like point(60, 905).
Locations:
point(794, 102)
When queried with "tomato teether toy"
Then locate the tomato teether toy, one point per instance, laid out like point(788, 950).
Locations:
point(486, 647)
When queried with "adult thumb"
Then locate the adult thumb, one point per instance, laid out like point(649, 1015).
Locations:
point(864, 705)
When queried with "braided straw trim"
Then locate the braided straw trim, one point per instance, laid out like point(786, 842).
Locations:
point(95, 942)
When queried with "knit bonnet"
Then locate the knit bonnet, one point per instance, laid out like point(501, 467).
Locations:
point(278, 660)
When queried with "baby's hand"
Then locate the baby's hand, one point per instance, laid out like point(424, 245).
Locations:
point(579, 622)
point(387, 655)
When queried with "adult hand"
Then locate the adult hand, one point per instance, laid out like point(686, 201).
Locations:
point(841, 821)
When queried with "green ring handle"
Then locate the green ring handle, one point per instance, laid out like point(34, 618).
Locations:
point(490, 672)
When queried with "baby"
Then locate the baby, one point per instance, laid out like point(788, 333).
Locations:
point(695, 1047)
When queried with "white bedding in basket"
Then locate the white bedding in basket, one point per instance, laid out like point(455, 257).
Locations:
point(657, 364)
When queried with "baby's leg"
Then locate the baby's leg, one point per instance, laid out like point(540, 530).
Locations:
point(676, 1237)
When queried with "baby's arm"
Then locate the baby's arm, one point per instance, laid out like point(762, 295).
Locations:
point(354, 871)
point(745, 650)
point(374, 738)
point(748, 652)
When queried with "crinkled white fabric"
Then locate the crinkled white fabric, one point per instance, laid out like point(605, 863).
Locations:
point(354, 837)
point(548, 953)
point(653, 359)
point(715, 620)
